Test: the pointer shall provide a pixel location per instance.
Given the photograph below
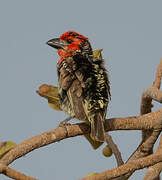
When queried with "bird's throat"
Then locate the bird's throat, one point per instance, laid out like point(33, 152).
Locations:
point(63, 53)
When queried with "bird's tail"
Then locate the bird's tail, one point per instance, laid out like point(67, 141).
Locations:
point(97, 127)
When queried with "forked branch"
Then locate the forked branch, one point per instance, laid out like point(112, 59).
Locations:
point(149, 122)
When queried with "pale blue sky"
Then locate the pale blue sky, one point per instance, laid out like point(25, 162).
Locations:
point(130, 32)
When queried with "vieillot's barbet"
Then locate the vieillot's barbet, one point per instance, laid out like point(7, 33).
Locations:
point(84, 88)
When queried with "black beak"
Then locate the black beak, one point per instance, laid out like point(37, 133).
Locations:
point(56, 43)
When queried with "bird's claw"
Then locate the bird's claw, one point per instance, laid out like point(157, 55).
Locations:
point(65, 123)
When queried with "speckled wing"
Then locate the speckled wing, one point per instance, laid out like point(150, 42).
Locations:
point(70, 89)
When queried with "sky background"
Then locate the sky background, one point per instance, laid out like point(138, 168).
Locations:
point(130, 32)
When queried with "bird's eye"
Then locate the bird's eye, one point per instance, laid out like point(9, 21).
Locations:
point(69, 41)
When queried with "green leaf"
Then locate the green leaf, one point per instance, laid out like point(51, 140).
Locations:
point(6, 147)
point(91, 174)
point(51, 94)
point(97, 53)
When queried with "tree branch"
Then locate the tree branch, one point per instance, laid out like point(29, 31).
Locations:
point(153, 172)
point(149, 121)
point(14, 174)
point(152, 94)
point(129, 167)
point(149, 137)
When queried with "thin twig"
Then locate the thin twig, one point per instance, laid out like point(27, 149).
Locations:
point(114, 148)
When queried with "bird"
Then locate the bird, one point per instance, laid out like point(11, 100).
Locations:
point(83, 82)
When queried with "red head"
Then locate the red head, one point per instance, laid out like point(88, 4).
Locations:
point(71, 43)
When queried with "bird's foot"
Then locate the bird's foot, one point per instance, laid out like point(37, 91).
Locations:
point(65, 123)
